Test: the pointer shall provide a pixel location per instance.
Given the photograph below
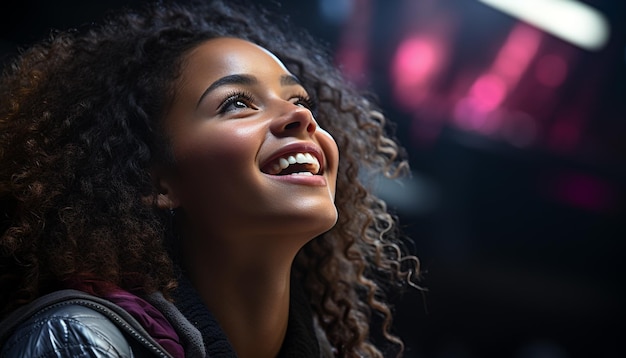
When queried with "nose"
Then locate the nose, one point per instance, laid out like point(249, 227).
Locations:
point(294, 121)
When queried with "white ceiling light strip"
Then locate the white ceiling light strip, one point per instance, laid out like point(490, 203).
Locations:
point(569, 20)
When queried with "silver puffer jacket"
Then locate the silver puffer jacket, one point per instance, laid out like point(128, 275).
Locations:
point(73, 324)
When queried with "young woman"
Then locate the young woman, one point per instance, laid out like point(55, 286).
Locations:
point(171, 185)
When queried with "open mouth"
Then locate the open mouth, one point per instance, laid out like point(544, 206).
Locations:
point(294, 164)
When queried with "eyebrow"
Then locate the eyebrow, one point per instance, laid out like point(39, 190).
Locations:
point(290, 80)
point(245, 80)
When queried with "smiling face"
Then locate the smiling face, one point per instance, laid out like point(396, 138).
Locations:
point(250, 159)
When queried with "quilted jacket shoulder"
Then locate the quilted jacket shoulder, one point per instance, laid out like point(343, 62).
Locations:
point(67, 331)
point(70, 323)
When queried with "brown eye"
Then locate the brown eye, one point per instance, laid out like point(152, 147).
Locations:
point(239, 104)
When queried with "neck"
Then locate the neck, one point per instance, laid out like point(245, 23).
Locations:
point(247, 291)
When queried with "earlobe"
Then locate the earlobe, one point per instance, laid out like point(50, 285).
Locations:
point(166, 199)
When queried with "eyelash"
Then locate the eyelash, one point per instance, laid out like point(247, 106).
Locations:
point(248, 99)
point(234, 97)
point(307, 102)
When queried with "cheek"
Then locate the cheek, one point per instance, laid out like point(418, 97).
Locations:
point(213, 159)
point(331, 151)
point(214, 146)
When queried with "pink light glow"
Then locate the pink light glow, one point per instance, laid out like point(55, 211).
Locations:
point(469, 114)
point(491, 88)
point(477, 111)
point(416, 62)
point(488, 92)
point(516, 53)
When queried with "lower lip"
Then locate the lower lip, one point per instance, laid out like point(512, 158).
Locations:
point(311, 180)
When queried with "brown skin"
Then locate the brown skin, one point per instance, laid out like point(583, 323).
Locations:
point(243, 226)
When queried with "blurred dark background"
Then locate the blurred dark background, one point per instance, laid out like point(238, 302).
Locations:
point(517, 143)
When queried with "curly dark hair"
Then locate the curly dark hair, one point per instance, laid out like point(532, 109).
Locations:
point(80, 128)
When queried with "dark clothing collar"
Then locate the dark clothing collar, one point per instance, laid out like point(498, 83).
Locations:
point(300, 339)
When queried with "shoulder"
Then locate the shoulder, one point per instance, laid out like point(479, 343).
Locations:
point(67, 331)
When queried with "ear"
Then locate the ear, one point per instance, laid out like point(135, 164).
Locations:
point(167, 198)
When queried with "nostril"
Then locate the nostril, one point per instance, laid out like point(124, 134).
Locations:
point(292, 125)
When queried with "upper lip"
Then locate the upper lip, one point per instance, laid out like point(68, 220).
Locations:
point(298, 147)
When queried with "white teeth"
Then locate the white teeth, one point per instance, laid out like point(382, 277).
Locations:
point(302, 173)
point(300, 158)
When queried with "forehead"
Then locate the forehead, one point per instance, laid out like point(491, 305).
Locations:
point(223, 56)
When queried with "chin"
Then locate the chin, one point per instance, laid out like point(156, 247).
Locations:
point(314, 225)
point(327, 222)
